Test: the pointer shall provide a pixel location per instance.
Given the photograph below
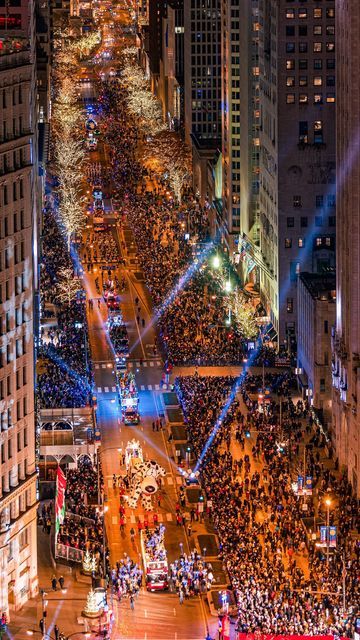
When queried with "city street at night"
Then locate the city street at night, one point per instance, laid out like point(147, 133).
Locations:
point(179, 244)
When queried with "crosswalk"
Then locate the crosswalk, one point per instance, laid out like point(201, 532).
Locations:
point(168, 480)
point(162, 517)
point(142, 387)
point(132, 364)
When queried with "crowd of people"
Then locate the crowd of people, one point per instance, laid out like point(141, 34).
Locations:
point(190, 575)
point(126, 578)
point(282, 581)
point(191, 300)
point(65, 378)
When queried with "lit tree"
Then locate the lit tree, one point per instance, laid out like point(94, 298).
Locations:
point(67, 286)
point(244, 315)
point(71, 210)
point(89, 562)
point(91, 608)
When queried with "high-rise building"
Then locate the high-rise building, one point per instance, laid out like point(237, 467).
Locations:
point(346, 339)
point(240, 124)
point(297, 151)
point(18, 281)
point(171, 71)
point(202, 61)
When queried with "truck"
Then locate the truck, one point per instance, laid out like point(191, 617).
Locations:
point(128, 396)
point(154, 558)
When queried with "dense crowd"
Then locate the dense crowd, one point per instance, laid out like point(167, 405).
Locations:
point(282, 582)
point(65, 378)
point(191, 575)
point(193, 316)
point(126, 578)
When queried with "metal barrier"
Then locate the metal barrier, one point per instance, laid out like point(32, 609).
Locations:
point(77, 517)
point(68, 553)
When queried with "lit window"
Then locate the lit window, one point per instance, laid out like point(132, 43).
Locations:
point(288, 243)
point(330, 13)
point(328, 242)
point(290, 64)
point(330, 46)
point(290, 81)
point(317, 13)
point(317, 47)
point(303, 98)
point(318, 99)
point(318, 30)
point(303, 81)
point(330, 97)
point(290, 14)
point(317, 81)
point(290, 98)
point(289, 305)
point(330, 30)
point(318, 242)
point(302, 13)
point(301, 242)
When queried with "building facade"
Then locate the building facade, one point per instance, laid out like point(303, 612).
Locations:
point(18, 280)
point(171, 70)
point(346, 340)
point(315, 319)
point(240, 125)
point(202, 61)
point(297, 151)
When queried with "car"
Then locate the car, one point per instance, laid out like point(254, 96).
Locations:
point(131, 416)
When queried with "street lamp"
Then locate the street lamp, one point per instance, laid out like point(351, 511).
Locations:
point(328, 503)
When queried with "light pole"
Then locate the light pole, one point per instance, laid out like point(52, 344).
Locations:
point(328, 503)
point(105, 509)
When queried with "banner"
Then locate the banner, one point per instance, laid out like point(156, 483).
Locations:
point(308, 485)
point(300, 484)
point(59, 500)
point(332, 536)
point(323, 536)
point(264, 636)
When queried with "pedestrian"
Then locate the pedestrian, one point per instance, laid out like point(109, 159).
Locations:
point(132, 604)
point(143, 322)
point(53, 582)
point(56, 632)
point(99, 303)
point(181, 596)
point(61, 582)
point(189, 529)
point(153, 425)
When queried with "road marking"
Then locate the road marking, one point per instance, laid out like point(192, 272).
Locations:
point(151, 363)
point(142, 387)
point(149, 387)
point(106, 389)
point(169, 517)
point(157, 387)
point(145, 613)
point(99, 389)
point(114, 520)
point(113, 389)
point(170, 480)
point(174, 612)
point(132, 519)
point(179, 479)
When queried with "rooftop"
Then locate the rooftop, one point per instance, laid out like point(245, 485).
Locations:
point(321, 286)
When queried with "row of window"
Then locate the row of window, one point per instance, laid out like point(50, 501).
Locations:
point(20, 350)
point(6, 386)
point(303, 30)
point(319, 221)
point(13, 97)
point(18, 254)
point(319, 242)
point(6, 323)
point(303, 13)
point(21, 442)
point(303, 47)
point(19, 287)
point(7, 418)
point(17, 192)
point(303, 98)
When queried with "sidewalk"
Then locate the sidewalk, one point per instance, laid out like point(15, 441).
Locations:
point(63, 609)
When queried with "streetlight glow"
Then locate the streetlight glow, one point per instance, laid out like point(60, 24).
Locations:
point(216, 262)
